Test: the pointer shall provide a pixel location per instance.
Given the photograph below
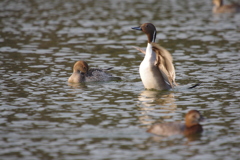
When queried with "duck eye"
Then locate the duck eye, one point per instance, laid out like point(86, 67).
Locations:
point(196, 116)
point(193, 116)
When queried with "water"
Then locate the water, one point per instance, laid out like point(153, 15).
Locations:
point(44, 117)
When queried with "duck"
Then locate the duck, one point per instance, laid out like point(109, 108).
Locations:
point(157, 69)
point(220, 8)
point(82, 73)
point(190, 127)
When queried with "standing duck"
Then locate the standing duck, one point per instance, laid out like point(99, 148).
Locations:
point(220, 8)
point(82, 73)
point(156, 69)
point(191, 126)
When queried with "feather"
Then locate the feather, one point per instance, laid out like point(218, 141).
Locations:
point(165, 65)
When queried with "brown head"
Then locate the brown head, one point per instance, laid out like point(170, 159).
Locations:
point(217, 3)
point(193, 117)
point(80, 71)
point(149, 29)
point(81, 67)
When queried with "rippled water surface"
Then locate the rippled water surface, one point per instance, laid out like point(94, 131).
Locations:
point(42, 116)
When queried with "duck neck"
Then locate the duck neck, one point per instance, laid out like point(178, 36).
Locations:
point(150, 54)
point(220, 3)
point(190, 124)
point(193, 130)
point(152, 37)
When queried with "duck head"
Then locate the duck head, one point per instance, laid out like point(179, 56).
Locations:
point(149, 29)
point(217, 3)
point(80, 71)
point(193, 117)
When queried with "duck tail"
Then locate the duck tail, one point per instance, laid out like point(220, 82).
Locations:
point(109, 68)
point(198, 84)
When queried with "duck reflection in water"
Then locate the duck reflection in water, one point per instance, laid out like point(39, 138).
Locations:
point(150, 101)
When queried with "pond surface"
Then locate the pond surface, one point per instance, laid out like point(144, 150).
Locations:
point(42, 116)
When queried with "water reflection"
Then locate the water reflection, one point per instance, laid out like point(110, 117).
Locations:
point(152, 102)
point(77, 85)
point(188, 139)
point(150, 98)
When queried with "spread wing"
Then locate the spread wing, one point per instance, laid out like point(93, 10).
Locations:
point(165, 65)
point(140, 49)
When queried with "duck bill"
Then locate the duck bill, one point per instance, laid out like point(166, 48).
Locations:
point(137, 28)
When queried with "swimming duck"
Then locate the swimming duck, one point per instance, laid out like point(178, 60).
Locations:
point(191, 126)
point(82, 73)
point(220, 8)
point(156, 69)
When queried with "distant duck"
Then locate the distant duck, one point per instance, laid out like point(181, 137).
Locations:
point(191, 126)
point(156, 69)
point(82, 73)
point(220, 8)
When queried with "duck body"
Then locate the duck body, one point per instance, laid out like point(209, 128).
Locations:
point(82, 73)
point(150, 74)
point(170, 129)
point(156, 70)
point(167, 129)
point(219, 7)
point(191, 126)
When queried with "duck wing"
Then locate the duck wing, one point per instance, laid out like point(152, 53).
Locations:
point(96, 74)
point(140, 49)
point(165, 65)
point(96, 71)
